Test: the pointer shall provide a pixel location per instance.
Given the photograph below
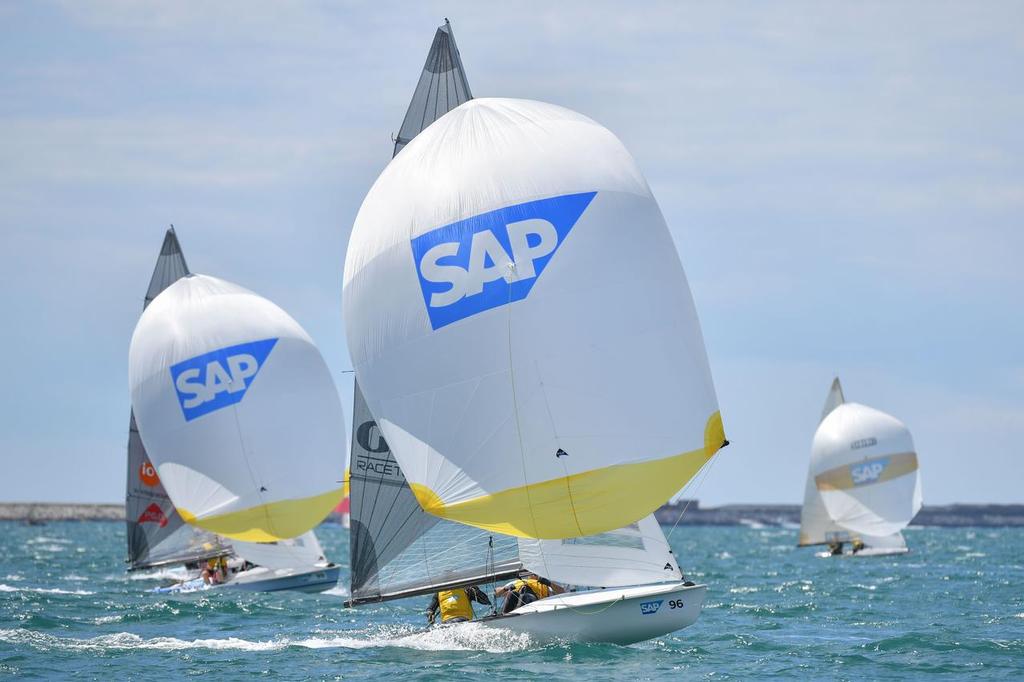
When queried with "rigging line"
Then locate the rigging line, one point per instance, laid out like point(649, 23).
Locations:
point(554, 431)
point(700, 484)
point(252, 475)
point(515, 402)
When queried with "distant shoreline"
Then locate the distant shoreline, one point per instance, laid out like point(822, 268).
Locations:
point(947, 516)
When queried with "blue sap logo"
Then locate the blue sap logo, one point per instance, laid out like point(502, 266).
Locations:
point(867, 472)
point(649, 607)
point(491, 259)
point(219, 378)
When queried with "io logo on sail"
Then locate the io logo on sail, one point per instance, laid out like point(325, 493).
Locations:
point(492, 259)
point(219, 378)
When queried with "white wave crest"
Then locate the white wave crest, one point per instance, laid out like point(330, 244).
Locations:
point(43, 590)
point(463, 637)
point(175, 573)
point(338, 591)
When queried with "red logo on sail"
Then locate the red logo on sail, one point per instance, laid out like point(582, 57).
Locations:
point(147, 474)
point(153, 514)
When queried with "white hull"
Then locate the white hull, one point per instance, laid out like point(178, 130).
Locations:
point(616, 615)
point(866, 552)
point(261, 579)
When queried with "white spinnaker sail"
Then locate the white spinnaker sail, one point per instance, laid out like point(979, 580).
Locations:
point(637, 554)
point(302, 551)
point(522, 328)
point(237, 410)
point(865, 469)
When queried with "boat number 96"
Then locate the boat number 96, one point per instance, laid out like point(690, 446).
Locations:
point(675, 604)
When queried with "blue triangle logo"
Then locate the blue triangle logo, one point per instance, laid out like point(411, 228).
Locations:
point(213, 380)
point(492, 259)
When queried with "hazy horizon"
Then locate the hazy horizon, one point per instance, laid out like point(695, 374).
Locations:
point(845, 186)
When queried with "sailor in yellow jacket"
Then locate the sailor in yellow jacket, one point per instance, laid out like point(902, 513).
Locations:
point(526, 589)
point(456, 605)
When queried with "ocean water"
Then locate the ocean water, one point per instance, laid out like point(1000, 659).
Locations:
point(954, 607)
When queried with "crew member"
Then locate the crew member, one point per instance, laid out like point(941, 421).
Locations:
point(835, 548)
point(858, 545)
point(216, 571)
point(524, 590)
point(456, 605)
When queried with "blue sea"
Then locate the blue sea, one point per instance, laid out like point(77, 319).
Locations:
point(954, 607)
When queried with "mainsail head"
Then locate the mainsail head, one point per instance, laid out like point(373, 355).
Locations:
point(546, 407)
point(442, 87)
point(170, 266)
point(238, 411)
point(865, 469)
point(156, 533)
point(835, 399)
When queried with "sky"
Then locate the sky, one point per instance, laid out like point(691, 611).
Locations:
point(844, 183)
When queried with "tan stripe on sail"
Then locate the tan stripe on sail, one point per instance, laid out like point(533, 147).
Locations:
point(841, 477)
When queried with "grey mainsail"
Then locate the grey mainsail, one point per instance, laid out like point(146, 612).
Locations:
point(442, 87)
point(397, 549)
point(157, 535)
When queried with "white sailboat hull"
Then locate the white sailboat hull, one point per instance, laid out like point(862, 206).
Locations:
point(262, 579)
point(866, 552)
point(615, 616)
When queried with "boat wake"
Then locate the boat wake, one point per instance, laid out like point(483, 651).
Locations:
point(176, 573)
point(469, 637)
point(43, 590)
point(338, 591)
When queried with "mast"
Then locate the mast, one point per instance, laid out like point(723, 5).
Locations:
point(157, 535)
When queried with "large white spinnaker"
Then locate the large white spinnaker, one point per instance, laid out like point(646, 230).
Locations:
point(522, 328)
point(864, 471)
point(237, 410)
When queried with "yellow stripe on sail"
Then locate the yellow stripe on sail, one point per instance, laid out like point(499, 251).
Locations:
point(843, 477)
point(269, 522)
point(587, 503)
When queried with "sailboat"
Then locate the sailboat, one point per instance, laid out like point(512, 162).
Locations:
point(863, 485)
point(399, 550)
point(159, 537)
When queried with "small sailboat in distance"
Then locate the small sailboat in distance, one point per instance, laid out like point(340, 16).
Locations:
point(863, 484)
